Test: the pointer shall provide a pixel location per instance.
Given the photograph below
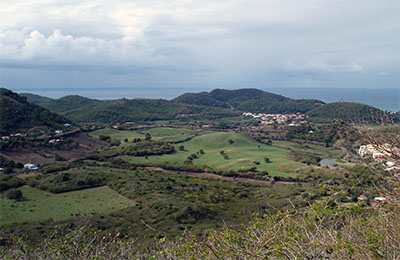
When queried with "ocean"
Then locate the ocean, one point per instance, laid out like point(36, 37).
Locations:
point(383, 98)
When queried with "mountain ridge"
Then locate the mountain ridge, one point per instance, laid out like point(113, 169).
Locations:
point(210, 105)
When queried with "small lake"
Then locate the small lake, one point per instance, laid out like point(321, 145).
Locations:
point(328, 162)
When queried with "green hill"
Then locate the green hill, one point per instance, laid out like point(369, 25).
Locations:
point(84, 109)
point(17, 114)
point(249, 100)
point(69, 103)
point(349, 112)
point(34, 99)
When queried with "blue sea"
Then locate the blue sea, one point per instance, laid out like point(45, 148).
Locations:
point(383, 98)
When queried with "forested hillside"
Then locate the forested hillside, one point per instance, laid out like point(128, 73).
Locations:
point(218, 103)
point(83, 109)
point(249, 100)
point(17, 114)
point(349, 112)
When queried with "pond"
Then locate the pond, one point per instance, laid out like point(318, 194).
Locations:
point(328, 163)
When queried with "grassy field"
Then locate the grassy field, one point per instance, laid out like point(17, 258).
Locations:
point(40, 205)
point(243, 153)
point(157, 134)
point(323, 152)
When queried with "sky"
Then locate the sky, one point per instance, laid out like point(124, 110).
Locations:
point(183, 44)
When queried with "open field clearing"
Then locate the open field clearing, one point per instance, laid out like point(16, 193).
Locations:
point(229, 151)
point(40, 205)
point(157, 134)
point(323, 152)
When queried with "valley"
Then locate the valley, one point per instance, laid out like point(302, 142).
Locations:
point(164, 176)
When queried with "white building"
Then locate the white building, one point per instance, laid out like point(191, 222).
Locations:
point(31, 166)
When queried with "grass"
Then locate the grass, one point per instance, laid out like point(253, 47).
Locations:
point(157, 134)
point(41, 205)
point(323, 152)
point(242, 153)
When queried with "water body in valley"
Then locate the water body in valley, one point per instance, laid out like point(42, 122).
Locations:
point(328, 163)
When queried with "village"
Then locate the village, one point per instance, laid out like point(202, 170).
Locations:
point(381, 154)
point(281, 119)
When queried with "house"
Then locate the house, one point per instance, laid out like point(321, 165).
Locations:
point(5, 137)
point(390, 163)
point(362, 197)
point(394, 168)
point(365, 150)
point(67, 125)
point(58, 131)
point(31, 166)
point(379, 199)
point(377, 155)
point(373, 204)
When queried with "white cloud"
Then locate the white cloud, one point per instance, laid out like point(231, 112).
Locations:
point(57, 48)
point(223, 40)
point(351, 67)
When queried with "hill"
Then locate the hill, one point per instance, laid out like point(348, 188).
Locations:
point(348, 112)
point(69, 103)
point(82, 109)
point(249, 100)
point(18, 115)
point(34, 99)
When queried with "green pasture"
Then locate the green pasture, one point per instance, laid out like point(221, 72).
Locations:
point(40, 205)
point(157, 134)
point(323, 152)
point(242, 153)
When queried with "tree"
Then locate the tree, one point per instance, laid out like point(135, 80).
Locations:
point(181, 148)
point(148, 137)
point(14, 194)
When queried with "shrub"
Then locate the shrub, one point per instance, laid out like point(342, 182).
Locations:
point(14, 194)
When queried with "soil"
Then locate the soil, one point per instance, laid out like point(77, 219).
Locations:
point(87, 145)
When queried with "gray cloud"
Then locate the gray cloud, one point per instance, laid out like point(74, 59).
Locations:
point(220, 43)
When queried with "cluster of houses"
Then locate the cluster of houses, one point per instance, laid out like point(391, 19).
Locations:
point(379, 154)
point(374, 203)
point(282, 119)
point(7, 137)
point(53, 141)
point(382, 154)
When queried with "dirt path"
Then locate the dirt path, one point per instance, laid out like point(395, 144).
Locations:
point(209, 175)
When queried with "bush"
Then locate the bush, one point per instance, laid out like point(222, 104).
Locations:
point(14, 194)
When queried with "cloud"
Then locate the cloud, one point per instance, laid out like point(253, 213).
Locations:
point(351, 67)
point(223, 42)
point(383, 73)
point(36, 48)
